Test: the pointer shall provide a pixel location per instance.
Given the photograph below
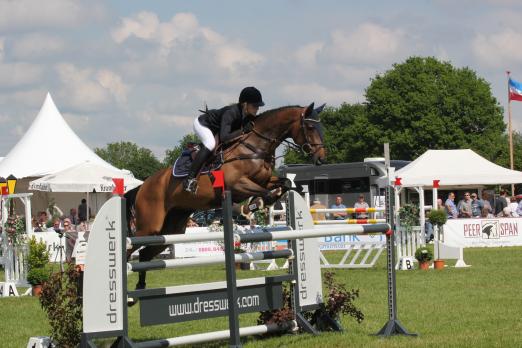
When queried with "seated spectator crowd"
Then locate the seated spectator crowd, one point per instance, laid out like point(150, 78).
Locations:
point(471, 206)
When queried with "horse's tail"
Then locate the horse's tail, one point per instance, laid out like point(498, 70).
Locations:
point(130, 196)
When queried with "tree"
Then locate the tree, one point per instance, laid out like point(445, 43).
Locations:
point(126, 155)
point(426, 104)
point(173, 154)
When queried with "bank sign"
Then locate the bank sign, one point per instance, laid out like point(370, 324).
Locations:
point(483, 232)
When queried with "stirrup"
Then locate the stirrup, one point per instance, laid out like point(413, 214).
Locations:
point(190, 185)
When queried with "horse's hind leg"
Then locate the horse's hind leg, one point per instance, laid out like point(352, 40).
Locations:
point(147, 254)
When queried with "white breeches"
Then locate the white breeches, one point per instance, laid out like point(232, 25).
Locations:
point(206, 136)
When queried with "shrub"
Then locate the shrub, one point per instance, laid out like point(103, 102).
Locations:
point(437, 217)
point(61, 301)
point(38, 275)
point(38, 254)
point(423, 254)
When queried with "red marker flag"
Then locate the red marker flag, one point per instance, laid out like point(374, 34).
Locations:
point(118, 186)
point(5, 190)
point(397, 182)
point(219, 179)
point(436, 183)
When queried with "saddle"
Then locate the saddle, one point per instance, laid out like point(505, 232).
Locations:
point(182, 164)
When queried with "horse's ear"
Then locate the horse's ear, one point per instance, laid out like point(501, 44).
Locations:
point(319, 109)
point(309, 110)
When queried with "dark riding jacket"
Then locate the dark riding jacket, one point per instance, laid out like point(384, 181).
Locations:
point(227, 121)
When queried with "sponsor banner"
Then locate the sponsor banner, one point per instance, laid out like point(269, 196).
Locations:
point(483, 232)
point(175, 308)
point(344, 242)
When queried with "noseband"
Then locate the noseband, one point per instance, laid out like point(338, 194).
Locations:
point(308, 147)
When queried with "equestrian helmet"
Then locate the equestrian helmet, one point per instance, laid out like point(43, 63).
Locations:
point(251, 95)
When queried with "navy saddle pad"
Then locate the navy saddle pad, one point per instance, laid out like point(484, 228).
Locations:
point(182, 165)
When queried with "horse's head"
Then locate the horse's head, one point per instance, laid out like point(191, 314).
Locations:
point(308, 134)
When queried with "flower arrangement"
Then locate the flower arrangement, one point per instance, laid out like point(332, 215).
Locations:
point(15, 228)
point(423, 254)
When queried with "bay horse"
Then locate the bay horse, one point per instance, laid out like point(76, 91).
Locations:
point(161, 206)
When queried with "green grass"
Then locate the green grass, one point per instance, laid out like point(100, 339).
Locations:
point(475, 307)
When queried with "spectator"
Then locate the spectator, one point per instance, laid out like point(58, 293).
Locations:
point(73, 216)
point(318, 205)
point(37, 226)
point(57, 225)
point(43, 218)
point(449, 205)
point(191, 223)
point(361, 204)
point(486, 203)
point(68, 226)
point(439, 203)
point(338, 205)
point(513, 206)
point(501, 203)
point(486, 213)
point(519, 206)
point(82, 211)
point(476, 205)
point(464, 206)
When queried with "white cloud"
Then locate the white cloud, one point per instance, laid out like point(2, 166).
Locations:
point(314, 92)
point(113, 82)
point(369, 43)
point(190, 43)
point(499, 50)
point(2, 49)
point(76, 121)
point(36, 45)
point(19, 74)
point(88, 89)
point(25, 14)
point(306, 55)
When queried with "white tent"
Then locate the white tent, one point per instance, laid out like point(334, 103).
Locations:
point(455, 168)
point(48, 146)
point(84, 177)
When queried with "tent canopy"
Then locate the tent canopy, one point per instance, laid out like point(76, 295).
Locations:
point(84, 177)
point(455, 168)
point(48, 146)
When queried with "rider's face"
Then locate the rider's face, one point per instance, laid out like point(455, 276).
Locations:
point(250, 109)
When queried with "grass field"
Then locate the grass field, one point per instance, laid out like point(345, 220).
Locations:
point(480, 306)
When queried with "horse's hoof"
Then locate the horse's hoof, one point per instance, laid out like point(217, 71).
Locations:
point(246, 212)
point(131, 301)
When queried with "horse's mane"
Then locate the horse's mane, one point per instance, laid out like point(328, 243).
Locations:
point(269, 113)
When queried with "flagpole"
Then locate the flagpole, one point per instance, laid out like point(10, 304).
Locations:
point(510, 135)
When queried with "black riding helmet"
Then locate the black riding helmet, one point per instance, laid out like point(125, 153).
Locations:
point(251, 95)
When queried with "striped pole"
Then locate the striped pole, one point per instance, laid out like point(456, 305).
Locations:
point(207, 260)
point(217, 335)
point(311, 233)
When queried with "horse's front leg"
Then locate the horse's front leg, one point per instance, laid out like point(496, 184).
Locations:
point(247, 188)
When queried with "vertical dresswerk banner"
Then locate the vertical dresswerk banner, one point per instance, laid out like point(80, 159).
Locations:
point(492, 232)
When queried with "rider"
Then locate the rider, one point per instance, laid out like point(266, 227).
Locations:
point(228, 122)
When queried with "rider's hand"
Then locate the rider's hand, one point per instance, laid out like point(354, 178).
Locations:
point(248, 127)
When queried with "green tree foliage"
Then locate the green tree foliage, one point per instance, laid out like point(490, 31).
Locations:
point(418, 105)
point(126, 155)
point(173, 154)
point(426, 104)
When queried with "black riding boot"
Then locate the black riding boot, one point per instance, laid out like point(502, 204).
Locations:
point(190, 183)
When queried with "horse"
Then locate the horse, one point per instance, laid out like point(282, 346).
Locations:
point(161, 206)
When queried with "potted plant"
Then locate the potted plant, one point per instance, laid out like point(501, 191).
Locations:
point(37, 277)
point(424, 256)
point(37, 262)
point(438, 218)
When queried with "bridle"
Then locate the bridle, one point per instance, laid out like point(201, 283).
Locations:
point(307, 148)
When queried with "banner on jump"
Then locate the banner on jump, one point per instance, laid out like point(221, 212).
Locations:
point(492, 232)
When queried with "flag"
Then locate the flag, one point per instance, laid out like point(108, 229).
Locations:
point(219, 179)
point(118, 186)
point(515, 90)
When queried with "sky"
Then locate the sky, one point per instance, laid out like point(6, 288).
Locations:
point(139, 71)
